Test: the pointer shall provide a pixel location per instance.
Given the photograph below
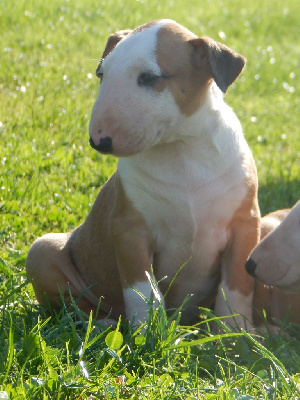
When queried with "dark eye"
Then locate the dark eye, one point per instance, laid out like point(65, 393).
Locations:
point(147, 79)
point(99, 72)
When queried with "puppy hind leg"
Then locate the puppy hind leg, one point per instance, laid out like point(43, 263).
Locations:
point(53, 274)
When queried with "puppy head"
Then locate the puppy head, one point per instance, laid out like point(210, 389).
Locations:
point(151, 78)
point(276, 259)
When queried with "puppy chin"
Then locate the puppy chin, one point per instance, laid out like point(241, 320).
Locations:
point(128, 149)
point(293, 288)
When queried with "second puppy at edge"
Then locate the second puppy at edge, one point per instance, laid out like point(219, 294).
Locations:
point(275, 262)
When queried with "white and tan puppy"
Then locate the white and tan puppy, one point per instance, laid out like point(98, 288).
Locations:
point(276, 259)
point(185, 189)
point(275, 262)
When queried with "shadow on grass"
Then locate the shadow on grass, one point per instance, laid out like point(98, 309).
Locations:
point(278, 194)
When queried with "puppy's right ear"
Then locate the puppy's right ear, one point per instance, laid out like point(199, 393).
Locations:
point(113, 40)
point(224, 64)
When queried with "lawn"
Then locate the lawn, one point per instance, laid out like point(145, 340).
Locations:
point(50, 177)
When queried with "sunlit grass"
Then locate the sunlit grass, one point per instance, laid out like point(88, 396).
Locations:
point(50, 177)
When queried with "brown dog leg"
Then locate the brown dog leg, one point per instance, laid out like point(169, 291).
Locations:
point(54, 275)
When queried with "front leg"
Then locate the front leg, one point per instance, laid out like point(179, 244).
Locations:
point(137, 297)
point(235, 293)
point(134, 263)
point(134, 253)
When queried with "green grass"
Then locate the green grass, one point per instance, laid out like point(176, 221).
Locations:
point(50, 177)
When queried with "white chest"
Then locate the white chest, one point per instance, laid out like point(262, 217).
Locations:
point(186, 205)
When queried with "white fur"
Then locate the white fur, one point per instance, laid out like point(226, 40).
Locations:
point(223, 306)
point(136, 300)
point(227, 298)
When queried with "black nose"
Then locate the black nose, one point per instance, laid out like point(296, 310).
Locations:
point(250, 267)
point(104, 146)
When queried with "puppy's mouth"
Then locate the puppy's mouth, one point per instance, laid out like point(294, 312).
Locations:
point(293, 289)
point(274, 280)
point(104, 146)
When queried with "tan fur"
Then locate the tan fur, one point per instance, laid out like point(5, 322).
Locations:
point(130, 232)
point(187, 82)
point(245, 233)
point(81, 252)
point(190, 68)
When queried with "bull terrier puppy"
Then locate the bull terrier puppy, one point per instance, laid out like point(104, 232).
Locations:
point(184, 193)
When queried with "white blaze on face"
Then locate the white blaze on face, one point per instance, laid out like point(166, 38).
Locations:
point(133, 115)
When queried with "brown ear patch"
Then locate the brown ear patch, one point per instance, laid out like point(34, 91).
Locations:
point(187, 82)
point(225, 64)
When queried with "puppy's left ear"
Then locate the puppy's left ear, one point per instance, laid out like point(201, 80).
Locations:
point(225, 65)
point(112, 41)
